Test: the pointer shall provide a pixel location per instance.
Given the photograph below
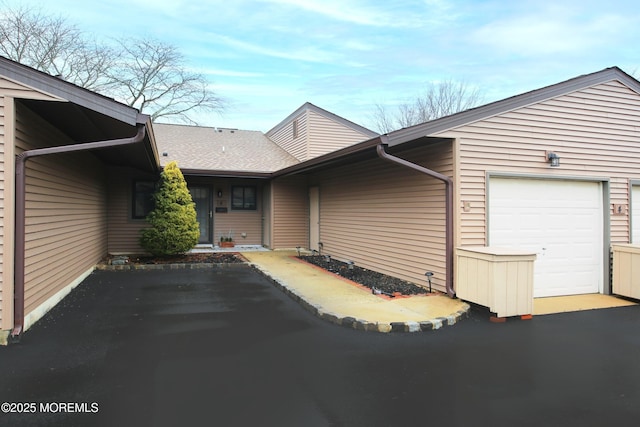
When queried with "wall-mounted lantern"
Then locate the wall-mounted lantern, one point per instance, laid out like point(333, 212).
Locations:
point(553, 159)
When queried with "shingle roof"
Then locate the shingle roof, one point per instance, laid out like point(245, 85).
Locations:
point(219, 149)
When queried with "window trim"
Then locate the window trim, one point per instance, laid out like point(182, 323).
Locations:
point(234, 207)
point(134, 198)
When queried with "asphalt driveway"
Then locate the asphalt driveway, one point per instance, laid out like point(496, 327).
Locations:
point(224, 347)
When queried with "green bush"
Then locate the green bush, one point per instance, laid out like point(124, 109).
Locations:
point(174, 228)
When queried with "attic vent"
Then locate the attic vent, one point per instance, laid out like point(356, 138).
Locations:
point(295, 128)
point(165, 154)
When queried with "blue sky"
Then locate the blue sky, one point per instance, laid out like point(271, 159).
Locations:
point(268, 57)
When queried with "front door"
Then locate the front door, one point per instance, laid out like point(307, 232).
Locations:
point(202, 198)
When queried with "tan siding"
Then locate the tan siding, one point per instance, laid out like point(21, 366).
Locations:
point(290, 213)
point(4, 322)
point(386, 217)
point(594, 131)
point(298, 146)
point(66, 224)
point(8, 91)
point(267, 221)
point(326, 135)
point(124, 231)
point(239, 221)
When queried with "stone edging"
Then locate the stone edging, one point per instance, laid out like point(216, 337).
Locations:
point(363, 325)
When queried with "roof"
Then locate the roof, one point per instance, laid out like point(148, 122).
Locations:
point(85, 116)
point(310, 107)
point(219, 150)
point(431, 129)
point(499, 107)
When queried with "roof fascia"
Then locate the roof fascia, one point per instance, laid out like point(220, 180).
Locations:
point(307, 106)
point(475, 114)
point(327, 158)
point(226, 174)
point(62, 89)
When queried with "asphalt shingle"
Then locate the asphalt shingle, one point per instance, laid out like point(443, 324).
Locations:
point(219, 149)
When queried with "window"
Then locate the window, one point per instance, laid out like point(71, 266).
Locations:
point(143, 202)
point(243, 198)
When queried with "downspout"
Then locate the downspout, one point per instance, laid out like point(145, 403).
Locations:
point(20, 238)
point(448, 182)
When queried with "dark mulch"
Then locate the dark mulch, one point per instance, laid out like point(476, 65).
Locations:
point(371, 279)
point(198, 258)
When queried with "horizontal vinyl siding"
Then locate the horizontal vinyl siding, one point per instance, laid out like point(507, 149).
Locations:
point(386, 217)
point(594, 131)
point(66, 226)
point(326, 135)
point(8, 91)
point(124, 231)
point(290, 213)
point(238, 221)
point(3, 322)
point(298, 146)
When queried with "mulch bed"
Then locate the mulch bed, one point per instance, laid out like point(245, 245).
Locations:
point(377, 282)
point(197, 258)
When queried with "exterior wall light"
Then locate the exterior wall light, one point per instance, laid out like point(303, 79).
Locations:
point(553, 159)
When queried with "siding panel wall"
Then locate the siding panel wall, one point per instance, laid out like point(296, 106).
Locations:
point(594, 131)
point(388, 218)
point(327, 135)
point(296, 146)
point(66, 225)
point(123, 230)
point(4, 324)
point(290, 213)
point(8, 91)
point(239, 221)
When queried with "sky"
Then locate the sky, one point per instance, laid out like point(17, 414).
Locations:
point(266, 58)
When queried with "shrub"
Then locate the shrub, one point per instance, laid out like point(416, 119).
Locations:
point(174, 228)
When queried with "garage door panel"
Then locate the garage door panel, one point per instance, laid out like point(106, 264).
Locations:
point(561, 221)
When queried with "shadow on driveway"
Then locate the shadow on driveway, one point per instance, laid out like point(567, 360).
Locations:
point(223, 347)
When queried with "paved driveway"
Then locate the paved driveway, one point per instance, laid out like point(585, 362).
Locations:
point(225, 348)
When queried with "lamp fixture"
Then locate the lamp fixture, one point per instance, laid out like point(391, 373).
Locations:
point(553, 159)
point(219, 193)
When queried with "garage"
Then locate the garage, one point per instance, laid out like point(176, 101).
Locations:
point(635, 214)
point(561, 221)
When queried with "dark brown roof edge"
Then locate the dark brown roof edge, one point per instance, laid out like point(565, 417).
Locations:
point(226, 174)
point(68, 91)
point(498, 107)
point(328, 114)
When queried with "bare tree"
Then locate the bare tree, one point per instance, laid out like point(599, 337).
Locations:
point(437, 100)
point(146, 74)
point(150, 76)
point(53, 45)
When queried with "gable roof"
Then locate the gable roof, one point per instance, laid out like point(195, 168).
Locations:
point(307, 106)
point(499, 107)
point(218, 151)
point(84, 116)
point(432, 128)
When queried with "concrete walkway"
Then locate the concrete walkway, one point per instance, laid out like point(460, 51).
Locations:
point(344, 302)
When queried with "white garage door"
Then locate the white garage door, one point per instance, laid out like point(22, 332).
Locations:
point(561, 221)
point(635, 214)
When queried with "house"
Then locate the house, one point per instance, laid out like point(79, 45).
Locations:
point(555, 171)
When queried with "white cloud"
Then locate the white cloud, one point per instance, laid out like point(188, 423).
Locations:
point(307, 54)
point(552, 31)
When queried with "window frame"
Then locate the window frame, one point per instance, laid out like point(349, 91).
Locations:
point(245, 206)
point(149, 204)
